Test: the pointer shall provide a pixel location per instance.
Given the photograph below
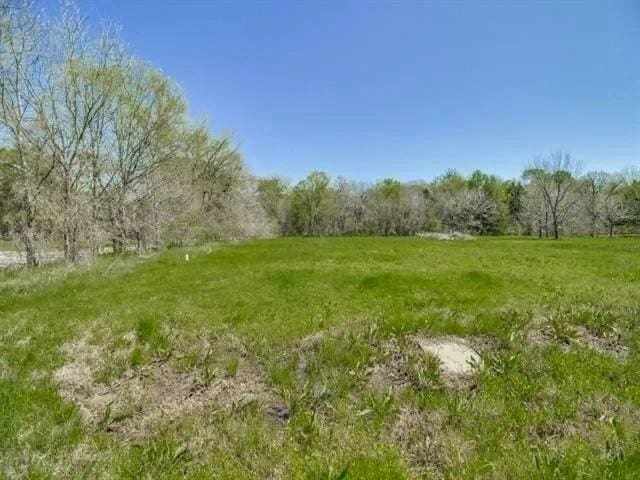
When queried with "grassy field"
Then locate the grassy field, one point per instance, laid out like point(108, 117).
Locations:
point(297, 358)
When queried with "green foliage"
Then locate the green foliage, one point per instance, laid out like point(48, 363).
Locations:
point(388, 189)
point(310, 202)
point(271, 191)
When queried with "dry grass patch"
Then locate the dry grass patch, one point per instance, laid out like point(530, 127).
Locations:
point(418, 434)
point(140, 399)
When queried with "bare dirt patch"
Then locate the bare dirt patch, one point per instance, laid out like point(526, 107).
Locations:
point(610, 344)
point(391, 371)
point(141, 399)
point(427, 362)
point(417, 434)
point(456, 357)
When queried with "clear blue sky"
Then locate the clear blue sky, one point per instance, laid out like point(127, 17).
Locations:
point(370, 89)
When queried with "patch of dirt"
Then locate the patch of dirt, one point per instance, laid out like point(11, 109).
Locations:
point(139, 400)
point(552, 430)
point(391, 372)
point(456, 362)
point(610, 344)
point(456, 357)
point(607, 344)
point(417, 434)
point(538, 337)
point(78, 462)
point(311, 341)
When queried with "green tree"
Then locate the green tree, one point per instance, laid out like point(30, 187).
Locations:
point(311, 199)
point(271, 191)
point(515, 200)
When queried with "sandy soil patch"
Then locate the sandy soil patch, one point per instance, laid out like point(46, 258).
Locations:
point(456, 357)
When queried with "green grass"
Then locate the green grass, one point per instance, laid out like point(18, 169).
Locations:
point(552, 409)
point(7, 245)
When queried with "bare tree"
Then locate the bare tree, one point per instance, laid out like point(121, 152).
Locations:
point(465, 210)
point(21, 68)
point(613, 210)
point(75, 95)
point(535, 214)
point(554, 178)
point(594, 184)
point(384, 205)
point(348, 207)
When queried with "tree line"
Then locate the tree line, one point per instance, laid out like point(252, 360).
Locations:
point(551, 199)
point(97, 147)
point(97, 150)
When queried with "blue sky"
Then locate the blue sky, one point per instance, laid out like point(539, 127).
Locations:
point(370, 89)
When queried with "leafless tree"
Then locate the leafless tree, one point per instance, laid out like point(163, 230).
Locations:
point(594, 184)
point(21, 69)
point(348, 207)
point(465, 210)
point(613, 209)
point(75, 93)
point(554, 178)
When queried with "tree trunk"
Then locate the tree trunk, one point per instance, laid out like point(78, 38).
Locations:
point(556, 233)
point(611, 229)
point(29, 247)
point(546, 224)
point(69, 226)
point(70, 244)
point(141, 244)
point(118, 246)
point(118, 221)
point(95, 247)
point(28, 232)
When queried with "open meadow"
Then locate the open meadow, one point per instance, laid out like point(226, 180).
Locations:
point(303, 358)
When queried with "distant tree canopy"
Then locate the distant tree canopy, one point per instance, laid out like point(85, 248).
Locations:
point(550, 200)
